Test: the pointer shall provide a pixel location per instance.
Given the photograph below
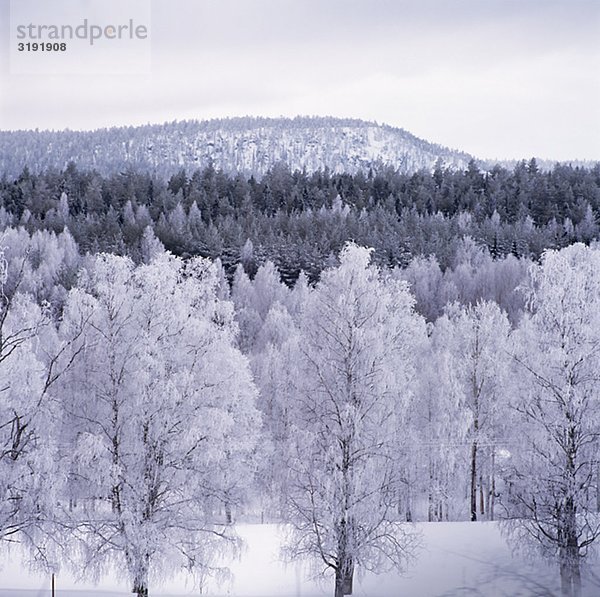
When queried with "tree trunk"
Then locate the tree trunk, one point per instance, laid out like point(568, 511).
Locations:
point(576, 578)
point(349, 577)
point(474, 481)
point(492, 486)
point(140, 589)
point(430, 508)
point(598, 489)
point(570, 574)
point(573, 550)
point(408, 503)
point(339, 583)
point(140, 582)
point(344, 578)
point(407, 496)
point(481, 497)
point(569, 552)
point(565, 578)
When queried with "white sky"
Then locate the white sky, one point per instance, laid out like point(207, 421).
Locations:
point(496, 78)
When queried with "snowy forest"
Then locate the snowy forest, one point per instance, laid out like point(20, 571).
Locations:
point(246, 145)
point(345, 354)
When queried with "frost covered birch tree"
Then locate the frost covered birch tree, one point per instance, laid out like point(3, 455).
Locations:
point(475, 341)
point(439, 436)
point(31, 361)
point(555, 478)
point(162, 417)
point(25, 465)
point(354, 383)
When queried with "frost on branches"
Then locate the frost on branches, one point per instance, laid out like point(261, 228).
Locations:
point(161, 418)
point(31, 362)
point(472, 343)
point(353, 386)
point(555, 492)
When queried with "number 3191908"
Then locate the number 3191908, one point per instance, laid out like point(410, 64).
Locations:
point(42, 47)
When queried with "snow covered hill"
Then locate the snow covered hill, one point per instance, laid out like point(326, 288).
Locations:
point(245, 145)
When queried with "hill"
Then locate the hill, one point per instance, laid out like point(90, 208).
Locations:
point(241, 145)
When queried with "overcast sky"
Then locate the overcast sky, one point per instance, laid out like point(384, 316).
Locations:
point(496, 78)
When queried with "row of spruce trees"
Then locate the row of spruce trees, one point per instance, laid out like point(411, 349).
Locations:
point(301, 220)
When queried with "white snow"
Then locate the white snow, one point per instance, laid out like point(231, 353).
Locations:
point(457, 558)
point(246, 145)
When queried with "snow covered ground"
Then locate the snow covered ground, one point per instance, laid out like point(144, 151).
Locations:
point(457, 559)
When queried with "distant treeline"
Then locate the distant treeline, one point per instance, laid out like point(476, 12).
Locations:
point(300, 221)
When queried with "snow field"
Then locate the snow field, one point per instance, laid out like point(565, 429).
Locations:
point(456, 558)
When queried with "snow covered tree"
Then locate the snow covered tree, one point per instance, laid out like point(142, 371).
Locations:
point(354, 382)
point(476, 373)
point(30, 364)
point(25, 448)
point(254, 298)
point(439, 431)
point(161, 416)
point(554, 494)
point(426, 284)
point(41, 265)
point(150, 246)
point(273, 362)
